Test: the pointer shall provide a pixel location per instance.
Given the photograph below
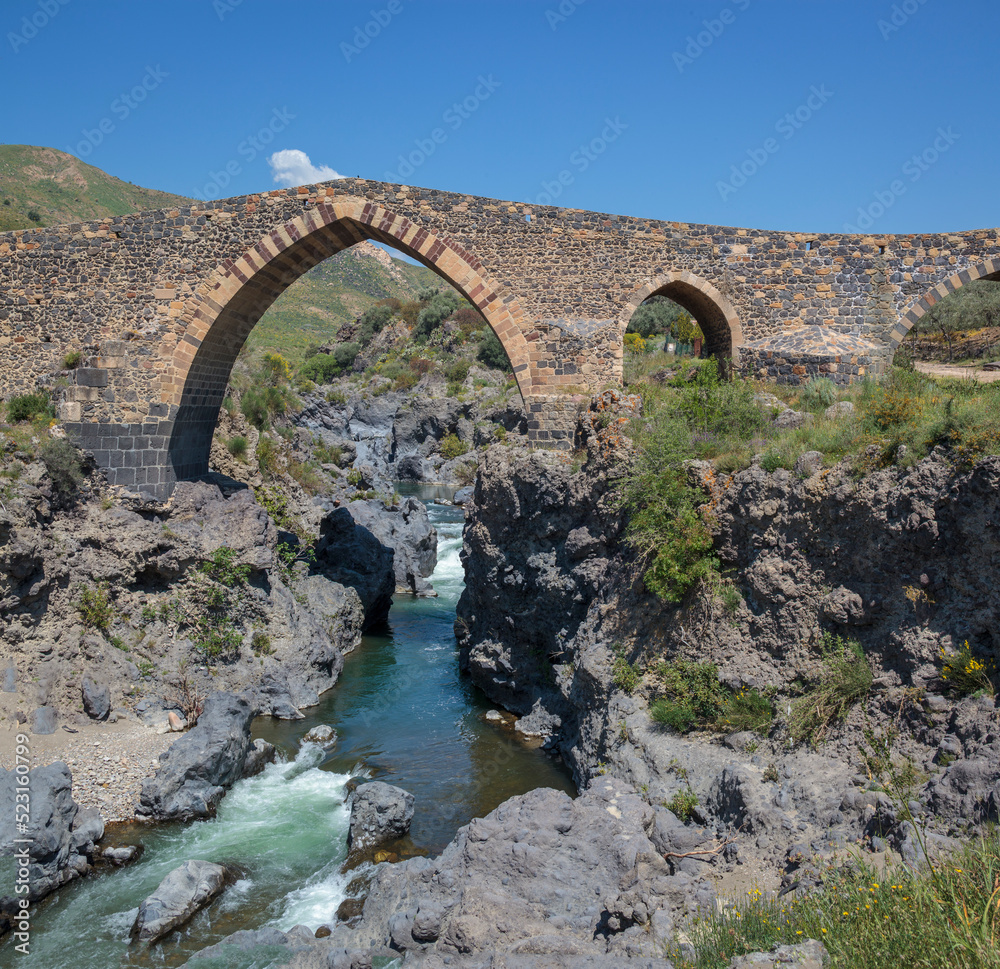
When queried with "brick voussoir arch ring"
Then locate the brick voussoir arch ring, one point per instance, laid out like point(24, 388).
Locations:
point(703, 286)
point(917, 309)
point(362, 220)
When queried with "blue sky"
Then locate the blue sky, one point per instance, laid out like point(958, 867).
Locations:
point(810, 115)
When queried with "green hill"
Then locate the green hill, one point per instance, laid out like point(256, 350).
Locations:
point(335, 292)
point(45, 186)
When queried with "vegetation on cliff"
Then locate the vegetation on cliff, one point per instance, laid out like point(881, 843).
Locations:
point(691, 413)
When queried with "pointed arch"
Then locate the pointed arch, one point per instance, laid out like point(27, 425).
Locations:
point(988, 269)
point(716, 316)
point(228, 305)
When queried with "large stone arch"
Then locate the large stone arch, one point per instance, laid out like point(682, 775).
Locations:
point(717, 317)
point(988, 269)
point(226, 308)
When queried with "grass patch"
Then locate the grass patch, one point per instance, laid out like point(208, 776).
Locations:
point(237, 447)
point(690, 413)
point(845, 679)
point(948, 916)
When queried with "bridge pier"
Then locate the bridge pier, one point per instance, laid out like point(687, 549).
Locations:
point(132, 456)
point(552, 419)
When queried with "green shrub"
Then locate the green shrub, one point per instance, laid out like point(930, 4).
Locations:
point(694, 685)
point(261, 643)
point(440, 307)
point(683, 804)
point(667, 528)
point(406, 379)
point(336, 397)
point(457, 371)
point(373, 321)
point(237, 447)
point(846, 678)
point(627, 676)
point(253, 403)
point(26, 407)
point(818, 393)
point(467, 318)
point(222, 567)
point(711, 406)
point(63, 464)
point(217, 638)
point(95, 608)
point(320, 368)
point(694, 696)
point(452, 446)
point(409, 312)
point(275, 502)
point(275, 370)
point(324, 367)
point(492, 354)
point(328, 454)
point(72, 360)
point(966, 675)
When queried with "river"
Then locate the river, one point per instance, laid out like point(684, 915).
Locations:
point(403, 714)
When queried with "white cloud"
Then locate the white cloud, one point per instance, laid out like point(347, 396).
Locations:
point(292, 167)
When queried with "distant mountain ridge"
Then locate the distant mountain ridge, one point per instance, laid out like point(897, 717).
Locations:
point(45, 186)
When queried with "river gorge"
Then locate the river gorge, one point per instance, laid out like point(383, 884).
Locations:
point(402, 711)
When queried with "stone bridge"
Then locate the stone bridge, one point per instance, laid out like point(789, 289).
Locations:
point(160, 303)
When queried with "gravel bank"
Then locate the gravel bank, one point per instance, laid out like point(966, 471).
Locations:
point(108, 761)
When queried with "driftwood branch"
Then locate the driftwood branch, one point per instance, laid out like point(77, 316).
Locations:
point(702, 851)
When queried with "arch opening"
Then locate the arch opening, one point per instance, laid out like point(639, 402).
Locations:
point(714, 314)
point(963, 323)
point(240, 292)
point(913, 319)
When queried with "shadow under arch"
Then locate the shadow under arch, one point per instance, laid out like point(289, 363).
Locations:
point(715, 314)
point(231, 302)
point(989, 269)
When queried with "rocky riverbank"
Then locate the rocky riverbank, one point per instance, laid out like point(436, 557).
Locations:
point(901, 560)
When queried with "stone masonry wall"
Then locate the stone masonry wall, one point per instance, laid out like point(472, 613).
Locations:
point(558, 285)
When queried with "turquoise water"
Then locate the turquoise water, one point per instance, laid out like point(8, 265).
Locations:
point(403, 714)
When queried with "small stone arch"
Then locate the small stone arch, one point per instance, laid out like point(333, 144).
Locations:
point(717, 317)
point(988, 269)
point(228, 305)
